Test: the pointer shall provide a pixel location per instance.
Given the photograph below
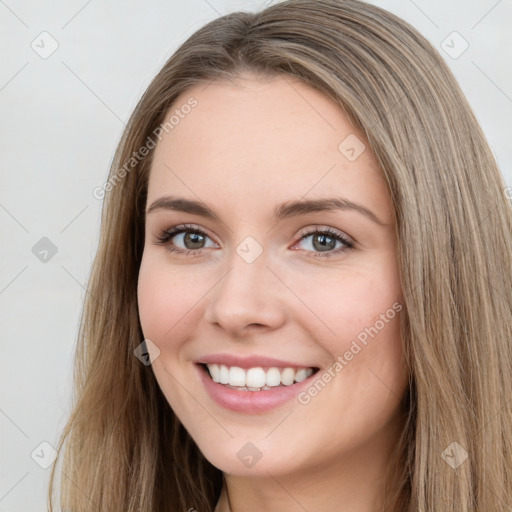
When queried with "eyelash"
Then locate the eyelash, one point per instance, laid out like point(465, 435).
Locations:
point(167, 234)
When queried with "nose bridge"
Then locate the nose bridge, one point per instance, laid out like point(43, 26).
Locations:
point(248, 293)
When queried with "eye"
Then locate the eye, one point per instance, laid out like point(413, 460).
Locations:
point(191, 238)
point(323, 242)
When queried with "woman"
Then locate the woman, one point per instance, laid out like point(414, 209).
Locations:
point(304, 208)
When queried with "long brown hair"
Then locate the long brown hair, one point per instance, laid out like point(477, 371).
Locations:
point(123, 448)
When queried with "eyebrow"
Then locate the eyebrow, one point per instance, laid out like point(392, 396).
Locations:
point(282, 211)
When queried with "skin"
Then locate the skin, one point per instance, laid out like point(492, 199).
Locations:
point(247, 146)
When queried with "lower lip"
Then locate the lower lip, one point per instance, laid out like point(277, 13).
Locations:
point(251, 402)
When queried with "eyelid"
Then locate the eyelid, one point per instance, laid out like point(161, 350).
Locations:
point(184, 228)
point(311, 230)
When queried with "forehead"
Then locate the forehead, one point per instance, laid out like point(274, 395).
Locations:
point(256, 140)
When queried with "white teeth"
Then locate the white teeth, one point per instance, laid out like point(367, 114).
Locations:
point(223, 374)
point(237, 376)
point(214, 372)
point(287, 376)
point(255, 379)
point(301, 375)
point(273, 377)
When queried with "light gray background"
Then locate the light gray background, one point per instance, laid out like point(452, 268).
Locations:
point(61, 119)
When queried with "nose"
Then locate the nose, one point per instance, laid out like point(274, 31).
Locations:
point(248, 297)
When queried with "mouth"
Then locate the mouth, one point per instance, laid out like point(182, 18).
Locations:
point(256, 379)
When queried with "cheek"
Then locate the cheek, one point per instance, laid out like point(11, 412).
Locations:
point(166, 299)
point(371, 376)
point(351, 305)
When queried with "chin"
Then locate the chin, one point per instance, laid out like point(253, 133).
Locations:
point(248, 458)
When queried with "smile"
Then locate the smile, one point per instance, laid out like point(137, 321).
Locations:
point(258, 378)
point(252, 393)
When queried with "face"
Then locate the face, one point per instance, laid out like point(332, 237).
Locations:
point(287, 261)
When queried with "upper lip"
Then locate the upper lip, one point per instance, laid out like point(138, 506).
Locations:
point(249, 361)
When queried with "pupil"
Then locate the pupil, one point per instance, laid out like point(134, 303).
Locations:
point(323, 245)
point(194, 238)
